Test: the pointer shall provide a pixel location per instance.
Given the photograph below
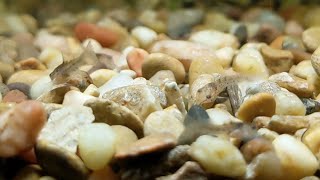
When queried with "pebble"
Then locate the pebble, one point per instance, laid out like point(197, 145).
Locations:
point(295, 157)
point(261, 104)
point(144, 35)
point(42, 85)
point(15, 96)
point(105, 36)
point(310, 38)
point(267, 134)
point(30, 63)
point(288, 103)
point(123, 136)
point(254, 147)
point(44, 40)
point(294, 84)
point(162, 76)
point(6, 70)
point(112, 113)
point(92, 90)
point(215, 39)
point(310, 138)
point(71, 97)
point(220, 117)
point(149, 144)
point(218, 156)
point(96, 145)
point(303, 70)
point(174, 96)
point(63, 126)
point(287, 124)
point(135, 60)
point(29, 172)
point(158, 61)
point(55, 160)
point(93, 44)
point(26, 76)
point(162, 122)
point(20, 126)
point(311, 105)
point(51, 57)
point(101, 76)
point(277, 60)
point(225, 56)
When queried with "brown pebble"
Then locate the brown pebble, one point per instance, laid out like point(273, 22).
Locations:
point(30, 63)
point(277, 60)
point(15, 96)
point(255, 147)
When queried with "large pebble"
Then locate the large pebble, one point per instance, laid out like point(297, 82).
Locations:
point(288, 103)
point(63, 126)
point(162, 122)
point(311, 38)
point(96, 145)
point(215, 39)
point(27, 76)
point(311, 138)
point(105, 36)
point(124, 136)
point(287, 124)
point(135, 60)
point(218, 156)
point(158, 61)
point(296, 159)
point(20, 127)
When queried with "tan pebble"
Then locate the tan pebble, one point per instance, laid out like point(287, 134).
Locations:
point(101, 76)
point(261, 104)
point(278, 42)
point(55, 95)
point(277, 60)
point(158, 61)
point(288, 103)
point(94, 44)
point(294, 84)
point(30, 63)
point(75, 97)
point(6, 70)
point(149, 144)
point(315, 60)
point(267, 134)
point(42, 85)
point(15, 96)
point(218, 156)
point(255, 147)
point(51, 57)
point(124, 136)
point(27, 76)
point(299, 133)
point(293, 28)
point(114, 114)
point(174, 96)
point(92, 90)
point(261, 121)
point(311, 39)
point(144, 35)
point(295, 157)
point(311, 138)
point(135, 60)
point(299, 55)
point(159, 78)
point(225, 56)
point(303, 70)
point(162, 122)
point(203, 66)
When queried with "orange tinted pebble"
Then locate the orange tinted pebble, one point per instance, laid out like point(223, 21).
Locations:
point(135, 59)
point(15, 96)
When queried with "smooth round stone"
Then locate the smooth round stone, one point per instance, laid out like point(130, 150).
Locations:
point(124, 136)
point(96, 145)
point(288, 103)
point(162, 122)
point(54, 160)
point(295, 157)
point(51, 57)
point(203, 66)
point(42, 85)
point(218, 156)
point(311, 138)
point(27, 76)
point(157, 61)
point(94, 44)
point(6, 70)
point(29, 63)
point(144, 35)
point(15, 96)
point(135, 60)
point(225, 56)
point(311, 38)
point(303, 70)
point(101, 76)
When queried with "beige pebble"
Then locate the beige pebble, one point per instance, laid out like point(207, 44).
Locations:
point(159, 78)
point(218, 156)
point(261, 104)
point(55, 95)
point(158, 61)
point(144, 35)
point(287, 124)
point(315, 60)
point(101, 76)
point(225, 56)
point(6, 70)
point(311, 138)
point(277, 60)
point(124, 136)
point(74, 97)
point(254, 147)
point(27, 76)
point(93, 44)
point(162, 122)
point(288, 103)
point(303, 70)
point(311, 39)
point(96, 145)
point(294, 84)
point(129, 73)
point(42, 85)
point(295, 157)
point(174, 96)
point(51, 57)
point(92, 90)
point(29, 63)
point(267, 133)
point(220, 117)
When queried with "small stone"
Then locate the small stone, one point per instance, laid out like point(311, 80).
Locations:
point(21, 87)
point(72, 97)
point(277, 60)
point(303, 69)
point(162, 122)
point(158, 61)
point(44, 40)
point(311, 138)
point(293, 28)
point(220, 117)
point(6, 70)
point(218, 156)
point(63, 126)
point(129, 73)
point(56, 95)
point(225, 56)
point(105, 36)
point(311, 39)
point(138, 98)
point(266, 33)
point(30, 172)
point(94, 44)
point(261, 104)
point(30, 63)
point(42, 85)
point(295, 157)
point(26, 76)
point(92, 90)
point(116, 81)
point(20, 126)
point(101, 76)
point(287, 124)
point(267, 134)
point(124, 136)
point(15, 96)
point(149, 144)
point(144, 35)
point(294, 84)
point(55, 160)
point(51, 57)
point(174, 96)
point(112, 113)
point(288, 103)
point(215, 39)
point(96, 145)
point(190, 170)
point(135, 60)
point(315, 61)
point(159, 78)
point(254, 147)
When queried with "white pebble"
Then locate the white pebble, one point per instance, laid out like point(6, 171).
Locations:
point(41, 86)
point(144, 35)
point(51, 57)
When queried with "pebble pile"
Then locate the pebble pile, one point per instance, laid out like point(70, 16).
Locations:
point(192, 93)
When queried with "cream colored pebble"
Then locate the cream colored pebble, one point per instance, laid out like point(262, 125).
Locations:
point(124, 136)
point(296, 159)
point(303, 70)
point(51, 57)
point(144, 35)
point(74, 97)
point(101, 76)
point(129, 72)
point(41, 86)
point(220, 117)
point(225, 56)
point(268, 134)
point(94, 44)
point(96, 145)
point(92, 90)
point(288, 103)
point(218, 156)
